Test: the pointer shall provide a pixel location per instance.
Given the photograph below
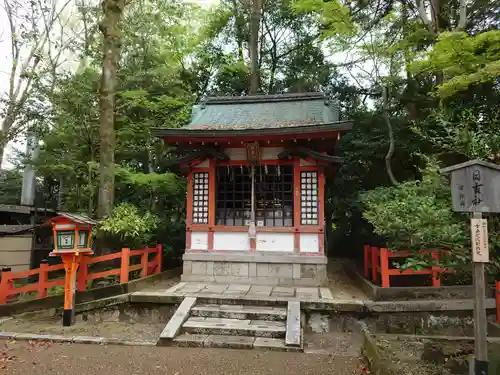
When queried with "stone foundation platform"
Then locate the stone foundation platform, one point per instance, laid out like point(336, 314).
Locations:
point(257, 268)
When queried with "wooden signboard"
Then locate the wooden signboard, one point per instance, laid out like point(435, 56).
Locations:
point(475, 187)
point(479, 236)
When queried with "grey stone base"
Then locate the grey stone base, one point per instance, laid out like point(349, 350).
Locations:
point(255, 268)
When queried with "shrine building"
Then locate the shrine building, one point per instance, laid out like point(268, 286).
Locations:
point(256, 168)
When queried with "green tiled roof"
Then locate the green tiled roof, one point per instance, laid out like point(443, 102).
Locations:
point(263, 111)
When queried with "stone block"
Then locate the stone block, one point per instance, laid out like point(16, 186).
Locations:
point(296, 271)
point(190, 341)
point(257, 290)
point(224, 341)
point(308, 293)
point(269, 343)
point(281, 270)
point(308, 271)
point(325, 293)
point(177, 287)
point(231, 269)
point(252, 270)
point(239, 287)
point(215, 288)
point(7, 335)
point(262, 269)
point(199, 268)
point(179, 317)
point(88, 340)
point(187, 267)
point(293, 331)
point(210, 268)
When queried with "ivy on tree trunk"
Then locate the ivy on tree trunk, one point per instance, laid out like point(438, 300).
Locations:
point(111, 30)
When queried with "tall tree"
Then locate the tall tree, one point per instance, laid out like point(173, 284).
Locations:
point(256, 10)
point(38, 42)
point(111, 29)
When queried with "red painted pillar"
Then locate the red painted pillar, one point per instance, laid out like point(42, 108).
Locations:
point(144, 262)
point(497, 299)
point(384, 268)
point(83, 274)
point(375, 263)
point(42, 279)
point(159, 258)
point(125, 265)
point(436, 279)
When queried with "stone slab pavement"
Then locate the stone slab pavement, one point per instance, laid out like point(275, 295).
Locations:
point(21, 357)
point(263, 292)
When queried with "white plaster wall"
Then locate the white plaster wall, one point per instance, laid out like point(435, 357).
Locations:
point(309, 242)
point(306, 163)
point(231, 241)
point(268, 241)
point(199, 240)
point(236, 153)
point(203, 164)
point(270, 153)
point(266, 153)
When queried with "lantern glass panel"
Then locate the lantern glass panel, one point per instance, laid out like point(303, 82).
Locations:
point(83, 238)
point(65, 239)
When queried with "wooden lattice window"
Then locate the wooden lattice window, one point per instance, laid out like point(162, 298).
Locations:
point(273, 195)
point(200, 198)
point(309, 198)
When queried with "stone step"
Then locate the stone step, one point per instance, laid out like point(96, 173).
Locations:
point(235, 327)
point(244, 312)
point(233, 342)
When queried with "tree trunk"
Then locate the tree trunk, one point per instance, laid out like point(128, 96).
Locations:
point(239, 23)
point(110, 28)
point(390, 152)
point(254, 46)
point(3, 144)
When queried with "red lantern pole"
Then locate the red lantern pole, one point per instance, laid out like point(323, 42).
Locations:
point(71, 262)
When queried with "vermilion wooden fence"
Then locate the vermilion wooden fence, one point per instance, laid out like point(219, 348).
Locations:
point(376, 260)
point(146, 266)
point(497, 299)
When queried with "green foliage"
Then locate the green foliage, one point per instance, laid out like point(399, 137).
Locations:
point(416, 215)
point(468, 132)
point(132, 227)
point(465, 60)
point(333, 16)
point(10, 187)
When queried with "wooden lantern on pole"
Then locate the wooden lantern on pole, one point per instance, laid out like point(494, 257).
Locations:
point(475, 188)
point(72, 241)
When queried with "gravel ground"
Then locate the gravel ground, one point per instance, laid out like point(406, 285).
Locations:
point(52, 358)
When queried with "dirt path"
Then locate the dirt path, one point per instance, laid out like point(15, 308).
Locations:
point(51, 358)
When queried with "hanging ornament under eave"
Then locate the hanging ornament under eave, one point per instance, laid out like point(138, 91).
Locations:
point(253, 152)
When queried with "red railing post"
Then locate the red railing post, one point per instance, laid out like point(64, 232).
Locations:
point(384, 268)
point(144, 262)
point(83, 273)
point(43, 277)
point(159, 258)
point(125, 263)
point(436, 279)
point(497, 299)
point(5, 286)
point(366, 254)
point(375, 263)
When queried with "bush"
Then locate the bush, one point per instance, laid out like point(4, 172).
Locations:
point(133, 228)
point(417, 215)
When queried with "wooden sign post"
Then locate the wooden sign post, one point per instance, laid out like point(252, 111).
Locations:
point(475, 188)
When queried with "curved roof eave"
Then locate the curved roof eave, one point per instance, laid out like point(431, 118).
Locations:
point(309, 130)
